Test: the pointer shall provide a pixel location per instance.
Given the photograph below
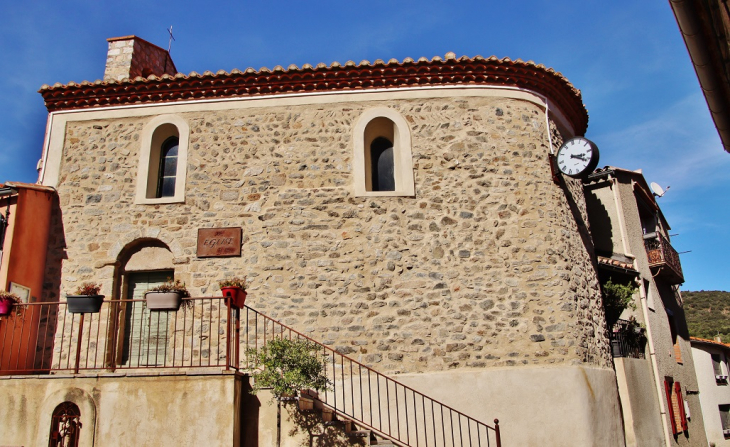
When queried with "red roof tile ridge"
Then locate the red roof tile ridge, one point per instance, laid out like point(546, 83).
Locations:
point(707, 340)
point(450, 56)
point(615, 262)
point(436, 71)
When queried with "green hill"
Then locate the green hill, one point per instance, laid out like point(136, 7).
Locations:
point(707, 313)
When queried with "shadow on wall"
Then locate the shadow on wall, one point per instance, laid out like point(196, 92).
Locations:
point(317, 433)
point(600, 224)
point(55, 254)
point(249, 415)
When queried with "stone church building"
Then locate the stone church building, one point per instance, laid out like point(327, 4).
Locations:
point(402, 213)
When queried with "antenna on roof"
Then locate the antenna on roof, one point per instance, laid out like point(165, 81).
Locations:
point(658, 190)
point(169, 42)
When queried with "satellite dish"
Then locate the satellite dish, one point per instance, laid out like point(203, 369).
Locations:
point(658, 190)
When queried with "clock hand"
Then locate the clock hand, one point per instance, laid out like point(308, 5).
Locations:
point(579, 157)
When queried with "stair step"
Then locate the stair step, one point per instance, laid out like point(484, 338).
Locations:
point(359, 434)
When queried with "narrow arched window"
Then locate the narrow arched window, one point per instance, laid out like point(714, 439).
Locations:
point(163, 161)
point(168, 168)
point(382, 168)
point(65, 426)
point(382, 158)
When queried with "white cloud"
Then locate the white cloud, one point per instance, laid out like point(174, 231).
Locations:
point(679, 146)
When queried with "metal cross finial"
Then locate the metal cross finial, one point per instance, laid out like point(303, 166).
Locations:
point(169, 43)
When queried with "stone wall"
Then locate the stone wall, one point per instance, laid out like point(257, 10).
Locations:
point(486, 266)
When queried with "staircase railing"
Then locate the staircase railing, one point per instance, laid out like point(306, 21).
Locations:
point(373, 400)
point(38, 338)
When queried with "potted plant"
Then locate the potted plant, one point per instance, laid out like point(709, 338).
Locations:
point(166, 296)
point(7, 300)
point(86, 299)
point(235, 288)
point(616, 298)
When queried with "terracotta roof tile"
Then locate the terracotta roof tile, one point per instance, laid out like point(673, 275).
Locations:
point(710, 342)
point(615, 263)
point(352, 77)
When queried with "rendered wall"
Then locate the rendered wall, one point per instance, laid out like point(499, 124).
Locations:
point(712, 394)
point(123, 410)
point(642, 421)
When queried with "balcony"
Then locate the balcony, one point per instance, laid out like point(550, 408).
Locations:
point(208, 333)
point(663, 258)
point(627, 340)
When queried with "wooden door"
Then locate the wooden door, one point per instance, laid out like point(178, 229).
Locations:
point(146, 334)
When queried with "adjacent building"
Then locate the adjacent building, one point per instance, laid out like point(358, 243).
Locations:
point(711, 364)
point(651, 345)
point(705, 28)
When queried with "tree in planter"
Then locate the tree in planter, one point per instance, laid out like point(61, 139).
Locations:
point(287, 366)
point(617, 297)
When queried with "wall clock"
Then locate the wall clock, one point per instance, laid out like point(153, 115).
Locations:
point(577, 157)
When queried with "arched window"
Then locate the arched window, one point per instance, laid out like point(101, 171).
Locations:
point(163, 161)
point(168, 168)
point(65, 426)
point(383, 164)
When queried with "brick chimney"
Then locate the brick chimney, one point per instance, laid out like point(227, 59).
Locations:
point(130, 56)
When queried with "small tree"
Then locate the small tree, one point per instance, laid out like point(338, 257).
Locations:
point(288, 366)
point(616, 298)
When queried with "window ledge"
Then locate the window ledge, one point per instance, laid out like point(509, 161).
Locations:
point(159, 201)
point(385, 194)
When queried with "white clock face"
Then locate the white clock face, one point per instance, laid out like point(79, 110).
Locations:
point(575, 157)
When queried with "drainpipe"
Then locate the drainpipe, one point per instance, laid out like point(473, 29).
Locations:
point(652, 356)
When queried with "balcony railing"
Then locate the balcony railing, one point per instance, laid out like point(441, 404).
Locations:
point(664, 258)
point(39, 338)
point(627, 340)
point(43, 338)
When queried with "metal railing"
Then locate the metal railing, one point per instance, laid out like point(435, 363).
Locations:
point(38, 338)
point(661, 254)
point(375, 401)
point(627, 340)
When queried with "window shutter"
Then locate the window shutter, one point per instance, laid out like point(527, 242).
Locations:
point(680, 402)
point(670, 407)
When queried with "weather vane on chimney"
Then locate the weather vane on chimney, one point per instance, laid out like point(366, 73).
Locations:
point(169, 43)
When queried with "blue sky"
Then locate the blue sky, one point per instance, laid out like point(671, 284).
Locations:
point(627, 57)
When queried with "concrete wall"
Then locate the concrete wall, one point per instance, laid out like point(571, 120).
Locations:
point(545, 406)
point(640, 408)
point(712, 393)
point(124, 410)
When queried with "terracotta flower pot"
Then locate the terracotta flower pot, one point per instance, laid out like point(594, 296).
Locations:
point(163, 300)
point(84, 304)
point(5, 306)
point(237, 294)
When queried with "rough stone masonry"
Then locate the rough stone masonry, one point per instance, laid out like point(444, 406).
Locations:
point(485, 266)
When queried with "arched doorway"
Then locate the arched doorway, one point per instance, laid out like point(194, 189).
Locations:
point(142, 338)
